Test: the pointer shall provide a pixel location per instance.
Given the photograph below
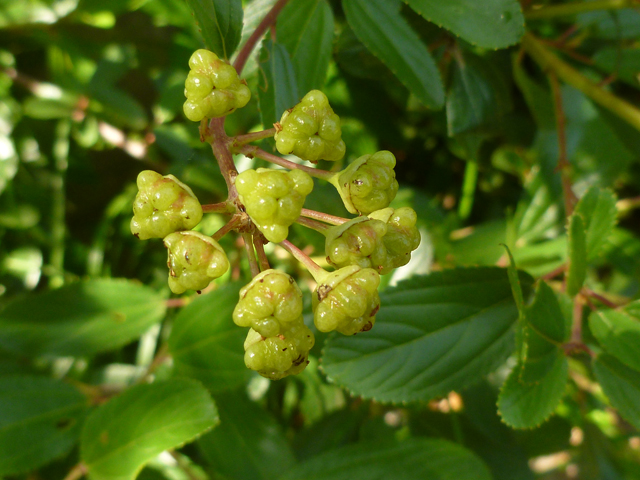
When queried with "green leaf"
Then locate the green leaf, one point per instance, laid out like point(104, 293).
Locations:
point(220, 23)
point(528, 405)
point(306, 26)
point(379, 25)
point(618, 331)
point(278, 88)
point(543, 332)
point(478, 95)
point(433, 334)
point(621, 384)
point(411, 459)
point(249, 444)
point(40, 421)
point(488, 23)
point(131, 429)
point(599, 212)
point(206, 344)
point(82, 318)
point(577, 254)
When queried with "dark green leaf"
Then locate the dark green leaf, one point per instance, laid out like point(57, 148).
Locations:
point(577, 254)
point(478, 94)
point(543, 333)
point(433, 334)
point(379, 25)
point(306, 26)
point(488, 23)
point(621, 384)
point(278, 88)
point(528, 405)
point(206, 344)
point(409, 460)
point(618, 331)
point(83, 318)
point(623, 62)
point(40, 421)
point(249, 444)
point(598, 210)
point(131, 429)
point(220, 23)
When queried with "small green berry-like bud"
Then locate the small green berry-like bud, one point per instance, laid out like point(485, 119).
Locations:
point(281, 355)
point(163, 205)
point(273, 199)
point(402, 236)
point(269, 304)
point(347, 300)
point(369, 183)
point(213, 88)
point(311, 130)
point(194, 260)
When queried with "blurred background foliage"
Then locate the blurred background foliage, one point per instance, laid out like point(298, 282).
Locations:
point(91, 94)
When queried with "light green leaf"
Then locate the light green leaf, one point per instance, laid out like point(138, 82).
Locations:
point(487, 23)
point(82, 318)
point(206, 344)
point(543, 332)
point(618, 331)
point(528, 405)
point(577, 254)
point(478, 95)
point(278, 88)
point(598, 210)
point(249, 444)
point(307, 26)
point(220, 23)
point(432, 334)
point(125, 433)
point(409, 460)
point(379, 25)
point(40, 421)
point(621, 384)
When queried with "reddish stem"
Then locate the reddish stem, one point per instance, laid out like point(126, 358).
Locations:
point(253, 151)
point(251, 254)
point(232, 224)
point(313, 224)
point(222, 207)
point(323, 217)
point(240, 140)
point(268, 20)
point(315, 270)
point(258, 243)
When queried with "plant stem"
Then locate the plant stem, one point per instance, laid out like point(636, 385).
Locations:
point(468, 189)
point(313, 224)
point(220, 146)
point(222, 207)
point(251, 254)
point(262, 256)
point(268, 20)
point(79, 471)
point(240, 140)
point(253, 151)
point(563, 162)
point(548, 61)
point(235, 222)
point(316, 271)
point(576, 8)
point(323, 217)
point(58, 201)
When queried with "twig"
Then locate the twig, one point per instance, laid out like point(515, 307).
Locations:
point(232, 224)
point(253, 151)
point(555, 272)
point(240, 140)
point(565, 72)
point(268, 20)
point(575, 8)
point(323, 217)
point(313, 224)
point(220, 146)
point(222, 207)
point(258, 243)
point(605, 301)
point(79, 471)
point(251, 254)
point(316, 271)
point(563, 162)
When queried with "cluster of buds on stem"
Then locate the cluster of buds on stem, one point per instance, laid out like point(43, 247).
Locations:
point(263, 204)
